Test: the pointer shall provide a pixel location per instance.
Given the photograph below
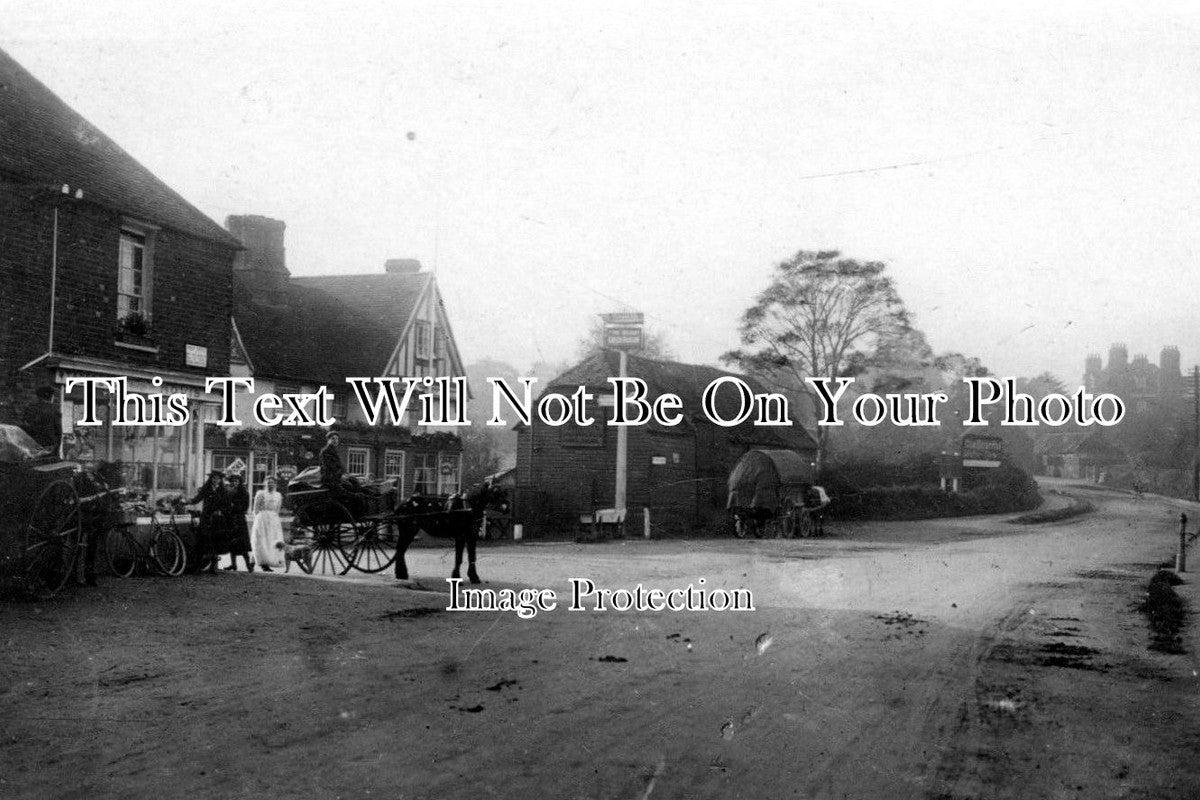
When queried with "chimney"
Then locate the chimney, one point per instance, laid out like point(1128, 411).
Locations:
point(402, 266)
point(263, 264)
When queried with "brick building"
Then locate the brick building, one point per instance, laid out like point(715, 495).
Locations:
point(104, 271)
point(679, 472)
point(1138, 382)
point(294, 334)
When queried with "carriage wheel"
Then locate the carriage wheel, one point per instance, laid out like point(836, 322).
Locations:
point(52, 539)
point(372, 550)
point(329, 529)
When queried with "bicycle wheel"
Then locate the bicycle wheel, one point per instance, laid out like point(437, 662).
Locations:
point(120, 551)
point(168, 553)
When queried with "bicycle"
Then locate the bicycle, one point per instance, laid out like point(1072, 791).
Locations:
point(164, 550)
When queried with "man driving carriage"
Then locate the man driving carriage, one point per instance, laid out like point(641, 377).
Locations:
point(346, 489)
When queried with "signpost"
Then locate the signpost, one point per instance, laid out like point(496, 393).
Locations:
point(622, 332)
point(982, 451)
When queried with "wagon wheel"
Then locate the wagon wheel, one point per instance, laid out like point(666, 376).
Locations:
point(329, 529)
point(805, 524)
point(749, 526)
point(374, 547)
point(52, 539)
point(790, 523)
point(772, 528)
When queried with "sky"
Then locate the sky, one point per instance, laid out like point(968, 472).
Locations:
point(1031, 176)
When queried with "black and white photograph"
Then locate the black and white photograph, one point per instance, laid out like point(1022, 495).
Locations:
point(599, 401)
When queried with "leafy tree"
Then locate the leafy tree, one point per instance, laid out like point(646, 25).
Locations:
point(821, 315)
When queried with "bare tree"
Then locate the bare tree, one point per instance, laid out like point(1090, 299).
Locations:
point(821, 316)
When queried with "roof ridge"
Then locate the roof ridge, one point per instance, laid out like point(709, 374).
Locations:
point(44, 139)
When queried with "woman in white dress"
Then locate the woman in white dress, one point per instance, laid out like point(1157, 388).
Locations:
point(267, 534)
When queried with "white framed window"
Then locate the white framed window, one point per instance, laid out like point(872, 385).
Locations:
point(133, 273)
point(449, 468)
point(393, 467)
point(424, 473)
point(356, 461)
point(421, 340)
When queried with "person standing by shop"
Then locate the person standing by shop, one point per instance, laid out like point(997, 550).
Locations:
point(239, 531)
point(42, 420)
point(267, 533)
point(214, 520)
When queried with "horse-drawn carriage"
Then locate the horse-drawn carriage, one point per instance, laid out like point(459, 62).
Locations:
point(368, 529)
point(772, 493)
point(48, 510)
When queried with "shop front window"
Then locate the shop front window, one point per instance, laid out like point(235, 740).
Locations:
point(424, 473)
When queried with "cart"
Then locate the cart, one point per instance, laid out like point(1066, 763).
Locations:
point(342, 531)
point(772, 494)
point(369, 530)
point(47, 509)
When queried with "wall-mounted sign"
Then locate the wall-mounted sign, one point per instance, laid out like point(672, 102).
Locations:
point(196, 356)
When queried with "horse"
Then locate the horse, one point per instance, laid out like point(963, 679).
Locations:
point(456, 517)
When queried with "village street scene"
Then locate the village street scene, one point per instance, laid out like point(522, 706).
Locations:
point(781, 401)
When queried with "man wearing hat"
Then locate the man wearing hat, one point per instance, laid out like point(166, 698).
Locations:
point(43, 420)
point(344, 488)
point(333, 474)
point(214, 519)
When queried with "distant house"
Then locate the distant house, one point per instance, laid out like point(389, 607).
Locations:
point(105, 271)
point(295, 334)
point(1077, 455)
point(678, 472)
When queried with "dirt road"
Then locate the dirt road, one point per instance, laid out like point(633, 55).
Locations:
point(949, 659)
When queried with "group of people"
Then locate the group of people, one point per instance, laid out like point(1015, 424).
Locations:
point(224, 503)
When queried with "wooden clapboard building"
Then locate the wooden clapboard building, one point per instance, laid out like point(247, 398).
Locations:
point(678, 472)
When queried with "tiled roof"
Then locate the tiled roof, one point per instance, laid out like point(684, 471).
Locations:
point(388, 299)
point(314, 336)
point(45, 142)
point(689, 382)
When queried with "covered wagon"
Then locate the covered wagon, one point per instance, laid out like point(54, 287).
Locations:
point(772, 493)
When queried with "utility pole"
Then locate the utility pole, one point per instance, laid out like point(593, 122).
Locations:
point(622, 332)
point(1196, 438)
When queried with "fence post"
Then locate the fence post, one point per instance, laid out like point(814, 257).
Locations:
point(518, 532)
point(646, 521)
point(1181, 556)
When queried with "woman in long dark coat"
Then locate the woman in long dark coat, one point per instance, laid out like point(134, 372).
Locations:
point(214, 520)
point(239, 531)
